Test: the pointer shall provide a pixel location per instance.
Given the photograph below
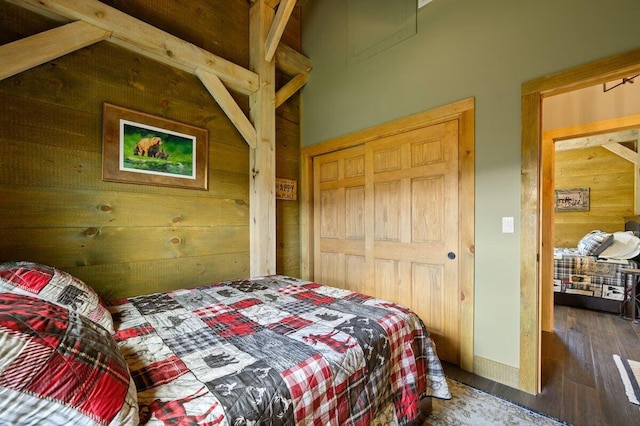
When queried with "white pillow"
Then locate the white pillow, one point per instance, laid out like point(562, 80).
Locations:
point(625, 246)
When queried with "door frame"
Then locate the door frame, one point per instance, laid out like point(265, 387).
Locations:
point(464, 112)
point(532, 253)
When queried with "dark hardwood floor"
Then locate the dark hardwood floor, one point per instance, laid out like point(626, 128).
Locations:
point(581, 384)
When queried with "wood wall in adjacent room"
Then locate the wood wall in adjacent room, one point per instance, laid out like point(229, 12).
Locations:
point(126, 239)
point(611, 187)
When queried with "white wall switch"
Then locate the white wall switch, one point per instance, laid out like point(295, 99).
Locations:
point(507, 225)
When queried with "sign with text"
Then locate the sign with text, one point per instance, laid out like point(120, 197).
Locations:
point(286, 189)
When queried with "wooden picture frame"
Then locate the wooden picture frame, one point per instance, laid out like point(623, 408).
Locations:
point(572, 199)
point(144, 149)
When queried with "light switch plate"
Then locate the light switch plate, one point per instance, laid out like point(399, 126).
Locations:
point(507, 225)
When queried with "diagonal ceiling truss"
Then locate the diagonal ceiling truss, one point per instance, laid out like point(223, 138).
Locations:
point(90, 21)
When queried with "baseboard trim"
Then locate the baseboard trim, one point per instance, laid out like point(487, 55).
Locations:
point(501, 373)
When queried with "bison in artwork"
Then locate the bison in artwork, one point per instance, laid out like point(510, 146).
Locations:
point(146, 145)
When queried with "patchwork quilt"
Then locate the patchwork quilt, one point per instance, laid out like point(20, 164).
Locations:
point(574, 273)
point(275, 350)
point(57, 367)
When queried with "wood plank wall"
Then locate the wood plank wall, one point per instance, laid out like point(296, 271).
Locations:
point(611, 185)
point(127, 239)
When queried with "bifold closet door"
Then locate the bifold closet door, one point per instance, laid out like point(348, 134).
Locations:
point(386, 224)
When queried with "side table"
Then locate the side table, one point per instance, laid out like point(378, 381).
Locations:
point(629, 306)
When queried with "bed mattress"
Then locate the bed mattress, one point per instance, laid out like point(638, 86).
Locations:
point(276, 350)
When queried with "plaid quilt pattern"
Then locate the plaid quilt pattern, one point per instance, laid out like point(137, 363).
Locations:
point(594, 243)
point(309, 383)
point(56, 286)
point(588, 275)
point(54, 360)
point(276, 350)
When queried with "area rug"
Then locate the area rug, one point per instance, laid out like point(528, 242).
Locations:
point(473, 407)
point(629, 373)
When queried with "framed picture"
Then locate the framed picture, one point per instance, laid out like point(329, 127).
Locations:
point(144, 149)
point(573, 199)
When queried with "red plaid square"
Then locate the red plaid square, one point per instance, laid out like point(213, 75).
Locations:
point(315, 298)
point(403, 383)
point(212, 310)
point(291, 289)
point(159, 373)
point(403, 366)
point(311, 286)
point(128, 333)
point(233, 324)
point(354, 406)
point(310, 385)
point(392, 324)
point(32, 279)
point(289, 324)
point(357, 297)
point(245, 303)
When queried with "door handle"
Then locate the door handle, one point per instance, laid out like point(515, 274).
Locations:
point(451, 255)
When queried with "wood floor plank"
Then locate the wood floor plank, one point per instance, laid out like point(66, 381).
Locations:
point(627, 340)
point(581, 384)
point(613, 404)
point(578, 362)
point(560, 318)
point(581, 405)
point(550, 399)
point(553, 346)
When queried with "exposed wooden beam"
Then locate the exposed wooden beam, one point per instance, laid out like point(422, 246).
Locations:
point(228, 104)
point(152, 42)
point(291, 62)
point(147, 40)
point(37, 49)
point(277, 27)
point(290, 88)
point(596, 140)
point(272, 3)
point(262, 199)
point(622, 151)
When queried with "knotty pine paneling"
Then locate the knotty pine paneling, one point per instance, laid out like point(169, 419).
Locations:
point(127, 239)
point(611, 184)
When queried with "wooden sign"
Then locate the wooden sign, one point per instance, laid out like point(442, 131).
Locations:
point(286, 189)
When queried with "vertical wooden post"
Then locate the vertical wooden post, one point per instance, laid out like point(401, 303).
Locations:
point(262, 157)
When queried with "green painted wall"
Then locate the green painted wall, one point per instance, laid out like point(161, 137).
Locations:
point(464, 48)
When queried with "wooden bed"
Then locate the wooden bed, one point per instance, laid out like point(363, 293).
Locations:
point(268, 350)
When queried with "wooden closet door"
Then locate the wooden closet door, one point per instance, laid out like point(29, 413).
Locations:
point(339, 228)
point(386, 215)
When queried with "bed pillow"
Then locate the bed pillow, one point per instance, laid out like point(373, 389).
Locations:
point(54, 285)
point(625, 246)
point(59, 368)
point(594, 243)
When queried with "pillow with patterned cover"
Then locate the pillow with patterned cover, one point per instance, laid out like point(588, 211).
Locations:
point(59, 368)
point(594, 243)
point(54, 285)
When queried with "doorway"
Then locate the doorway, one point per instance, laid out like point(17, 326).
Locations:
point(533, 253)
point(602, 134)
